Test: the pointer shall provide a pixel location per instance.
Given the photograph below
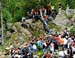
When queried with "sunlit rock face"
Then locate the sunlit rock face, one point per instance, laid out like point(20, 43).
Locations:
point(61, 20)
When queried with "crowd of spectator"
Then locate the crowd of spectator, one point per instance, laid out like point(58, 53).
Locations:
point(51, 46)
point(58, 45)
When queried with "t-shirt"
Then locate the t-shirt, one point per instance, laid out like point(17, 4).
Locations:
point(61, 53)
point(34, 46)
point(73, 49)
point(65, 52)
point(45, 44)
point(74, 56)
point(65, 41)
point(39, 43)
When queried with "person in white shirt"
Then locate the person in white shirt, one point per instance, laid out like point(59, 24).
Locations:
point(69, 41)
point(34, 48)
point(66, 53)
point(74, 56)
point(65, 42)
point(61, 53)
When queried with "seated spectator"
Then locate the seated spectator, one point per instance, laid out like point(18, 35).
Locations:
point(29, 15)
point(36, 16)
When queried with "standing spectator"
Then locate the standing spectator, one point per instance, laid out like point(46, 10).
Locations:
point(73, 48)
point(44, 47)
point(65, 42)
point(39, 44)
point(53, 13)
point(12, 53)
point(61, 53)
point(31, 47)
point(47, 55)
point(29, 16)
point(74, 56)
point(46, 28)
point(34, 48)
point(52, 47)
point(46, 18)
point(25, 50)
point(67, 53)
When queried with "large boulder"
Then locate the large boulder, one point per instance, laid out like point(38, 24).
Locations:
point(61, 20)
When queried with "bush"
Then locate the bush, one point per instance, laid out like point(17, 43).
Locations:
point(72, 31)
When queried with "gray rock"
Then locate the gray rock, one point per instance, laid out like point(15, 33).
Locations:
point(61, 20)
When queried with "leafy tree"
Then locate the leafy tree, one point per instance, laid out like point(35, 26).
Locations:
point(64, 4)
point(8, 8)
point(55, 3)
point(72, 31)
point(72, 5)
point(7, 15)
point(18, 8)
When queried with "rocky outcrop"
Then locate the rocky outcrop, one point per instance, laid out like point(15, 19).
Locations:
point(61, 20)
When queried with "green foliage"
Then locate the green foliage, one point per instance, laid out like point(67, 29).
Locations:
point(72, 31)
point(71, 3)
point(18, 8)
point(64, 4)
point(55, 3)
point(44, 2)
point(7, 15)
point(31, 4)
point(37, 33)
point(15, 9)
point(39, 53)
